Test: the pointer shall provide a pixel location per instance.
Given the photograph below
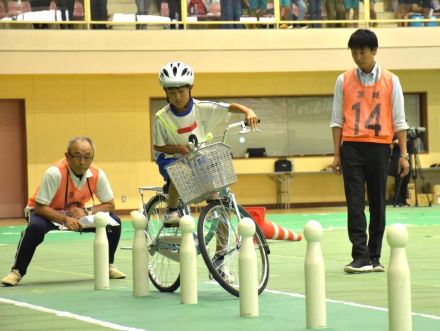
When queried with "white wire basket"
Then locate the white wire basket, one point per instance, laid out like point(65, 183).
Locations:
point(202, 172)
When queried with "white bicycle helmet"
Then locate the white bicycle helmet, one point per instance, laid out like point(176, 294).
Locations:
point(176, 74)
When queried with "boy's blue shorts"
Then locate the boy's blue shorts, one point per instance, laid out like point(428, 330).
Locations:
point(162, 162)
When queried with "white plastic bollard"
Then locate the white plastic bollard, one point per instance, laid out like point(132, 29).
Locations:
point(249, 306)
point(399, 280)
point(314, 271)
point(100, 250)
point(188, 262)
point(139, 255)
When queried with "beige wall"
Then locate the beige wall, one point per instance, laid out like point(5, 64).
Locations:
point(219, 51)
point(113, 109)
point(104, 92)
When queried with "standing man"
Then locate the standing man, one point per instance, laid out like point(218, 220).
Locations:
point(67, 187)
point(367, 109)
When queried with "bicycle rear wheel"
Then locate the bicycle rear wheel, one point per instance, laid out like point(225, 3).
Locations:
point(220, 242)
point(163, 246)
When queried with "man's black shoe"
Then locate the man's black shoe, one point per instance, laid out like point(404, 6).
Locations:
point(358, 266)
point(377, 267)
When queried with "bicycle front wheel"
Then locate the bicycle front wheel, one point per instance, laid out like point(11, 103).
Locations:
point(163, 246)
point(219, 243)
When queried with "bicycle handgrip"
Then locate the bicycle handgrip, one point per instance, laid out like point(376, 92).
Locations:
point(247, 124)
point(193, 139)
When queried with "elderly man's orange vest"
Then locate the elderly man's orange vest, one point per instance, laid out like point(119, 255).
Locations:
point(74, 197)
point(368, 109)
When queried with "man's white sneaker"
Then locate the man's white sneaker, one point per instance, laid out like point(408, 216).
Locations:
point(12, 279)
point(115, 273)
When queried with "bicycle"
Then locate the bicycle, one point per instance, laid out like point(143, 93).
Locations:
point(209, 169)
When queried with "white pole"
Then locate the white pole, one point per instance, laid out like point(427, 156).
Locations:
point(399, 280)
point(139, 255)
point(249, 306)
point(100, 250)
point(188, 262)
point(314, 271)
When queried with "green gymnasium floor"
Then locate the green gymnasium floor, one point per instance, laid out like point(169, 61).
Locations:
point(57, 293)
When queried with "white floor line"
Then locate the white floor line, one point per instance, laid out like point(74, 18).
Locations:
point(69, 315)
point(348, 303)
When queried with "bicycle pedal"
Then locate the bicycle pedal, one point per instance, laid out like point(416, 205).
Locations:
point(171, 225)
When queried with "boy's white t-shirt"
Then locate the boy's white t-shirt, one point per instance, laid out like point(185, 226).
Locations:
point(201, 120)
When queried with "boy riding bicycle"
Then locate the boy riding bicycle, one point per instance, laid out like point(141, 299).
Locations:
point(182, 117)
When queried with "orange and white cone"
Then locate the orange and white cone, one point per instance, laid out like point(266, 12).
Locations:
point(271, 230)
point(277, 232)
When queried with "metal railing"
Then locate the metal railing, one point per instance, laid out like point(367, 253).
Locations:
point(22, 16)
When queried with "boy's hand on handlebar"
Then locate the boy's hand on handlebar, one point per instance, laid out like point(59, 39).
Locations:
point(252, 119)
point(183, 149)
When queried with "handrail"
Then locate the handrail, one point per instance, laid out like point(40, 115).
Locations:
point(188, 22)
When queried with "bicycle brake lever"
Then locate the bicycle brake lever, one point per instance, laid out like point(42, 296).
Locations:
point(247, 130)
point(244, 130)
point(191, 147)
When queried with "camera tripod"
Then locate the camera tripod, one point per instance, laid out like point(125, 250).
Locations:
point(416, 171)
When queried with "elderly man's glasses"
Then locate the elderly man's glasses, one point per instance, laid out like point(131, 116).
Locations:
point(79, 157)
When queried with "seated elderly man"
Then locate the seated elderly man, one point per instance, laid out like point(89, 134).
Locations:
point(59, 203)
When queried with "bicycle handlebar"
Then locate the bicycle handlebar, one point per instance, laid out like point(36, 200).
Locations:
point(193, 141)
point(244, 129)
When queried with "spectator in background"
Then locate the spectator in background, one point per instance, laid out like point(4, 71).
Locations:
point(38, 5)
point(230, 11)
point(404, 8)
point(301, 13)
point(315, 11)
point(257, 8)
point(335, 11)
point(66, 8)
point(426, 5)
point(349, 5)
point(175, 12)
point(373, 14)
point(197, 7)
point(98, 11)
point(5, 6)
point(285, 12)
point(143, 7)
point(395, 9)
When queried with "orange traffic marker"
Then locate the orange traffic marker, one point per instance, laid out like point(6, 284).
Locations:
point(271, 230)
point(277, 232)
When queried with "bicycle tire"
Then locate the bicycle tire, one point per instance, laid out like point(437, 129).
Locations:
point(163, 268)
point(216, 255)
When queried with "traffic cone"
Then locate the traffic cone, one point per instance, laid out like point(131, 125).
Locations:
point(258, 214)
point(271, 230)
point(277, 232)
